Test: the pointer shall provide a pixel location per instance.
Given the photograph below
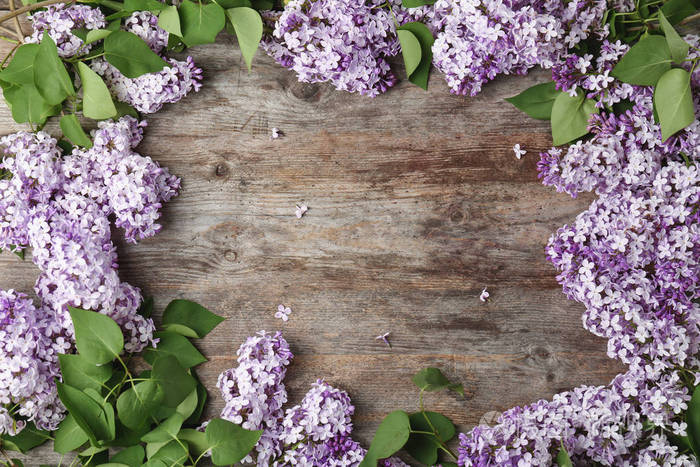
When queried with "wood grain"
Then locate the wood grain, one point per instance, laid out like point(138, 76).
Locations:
point(416, 203)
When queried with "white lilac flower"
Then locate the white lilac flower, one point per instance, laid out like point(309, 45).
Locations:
point(484, 296)
point(274, 133)
point(301, 210)
point(518, 152)
point(283, 313)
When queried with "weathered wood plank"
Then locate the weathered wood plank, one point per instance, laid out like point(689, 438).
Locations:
point(416, 202)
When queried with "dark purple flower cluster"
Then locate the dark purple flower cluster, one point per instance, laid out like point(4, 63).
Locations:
point(60, 206)
point(315, 433)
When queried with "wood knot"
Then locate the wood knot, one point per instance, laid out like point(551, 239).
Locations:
point(230, 255)
point(306, 91)
point(221, 170)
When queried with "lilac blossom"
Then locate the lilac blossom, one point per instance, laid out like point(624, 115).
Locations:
point(60, 206)
point(314, 433)
point(149, 92)
point(344, 42)
point(60, 21)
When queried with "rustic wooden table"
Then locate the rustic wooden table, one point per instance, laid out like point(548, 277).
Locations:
point(416, 203)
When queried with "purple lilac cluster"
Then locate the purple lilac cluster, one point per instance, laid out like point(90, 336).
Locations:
point(314, 433)
point(476, 40)
point(626, 149)
point(633, 259)
point(344, 42)
point(60, 21)
point(30, 340)
point(348, 43)
point(149, 92)
point(60, 206)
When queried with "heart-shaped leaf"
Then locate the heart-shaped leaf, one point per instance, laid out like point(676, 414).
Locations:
point(410, 50)
point(673, 101)
point(97, 337)
point(249, 29)
point(229, 442)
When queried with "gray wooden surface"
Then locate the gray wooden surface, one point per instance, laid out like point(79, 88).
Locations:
point(416, 203)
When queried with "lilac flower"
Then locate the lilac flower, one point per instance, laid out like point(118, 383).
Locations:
point(149, 92)
point(274, 133)
point(301, 210)
point(484, 295)
point(60, 205)
point(384, 338)
point(519, 152)
point(60, 21)
point(314, 433)
point(479, 39)
point(342, 41)
point(283, 313)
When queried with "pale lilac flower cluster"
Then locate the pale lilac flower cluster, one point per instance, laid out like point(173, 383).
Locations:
point(476, 40)
point(626, 149)
point(314, 433)
point(60, 206)
point(601, 424)
point(60, 21)
point(344, 42)
point(30, 340)
point(149, 92)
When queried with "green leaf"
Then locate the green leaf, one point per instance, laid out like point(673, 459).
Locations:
point(457, 387)
point(131, 456)
point(200, 23)
point(693, 421)
point(229, 442)
point(678, 47)
point(50, 75)
point(88, 414)
point(173, 453)
point(187, 407)
point(97, 101)
point(172, 343)
point(201, 401)
point(26, 103)
point(391, 436)
point(196, 439)
point(420, 75)
point(424, 448)
point(107, 412)
point(166, 431)
point(141, 5)
point(97, 337)
point(176, 383)
point(563, 459)
point(128, 437)
point(124, 109)
point(29, 438)
point(416, 3)
point(21, 68)
point(536, 101)
point(155, 463)
point(249, 29)
point(410, 49)
point(673, 101)
point(69, 436)
point(169, 19)
point(192, 316)
point(430, 379)
point(645, 62)
point(136, 405)
point(131, 55)
point(71, 128)
point(677, 10)
point(80, 373)
point(94, 35)
point(570, 117)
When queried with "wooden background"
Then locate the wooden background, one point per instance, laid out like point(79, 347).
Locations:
point(416, 203)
